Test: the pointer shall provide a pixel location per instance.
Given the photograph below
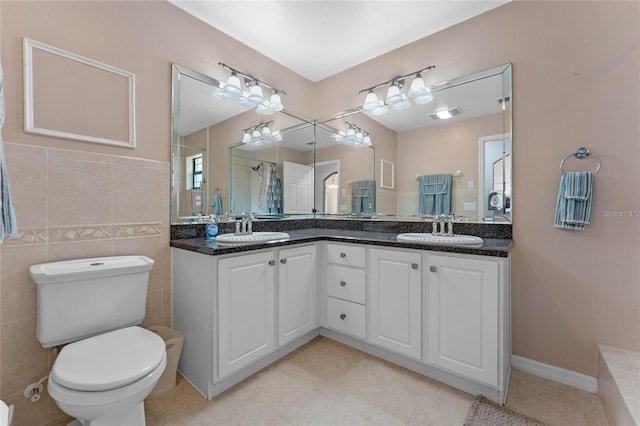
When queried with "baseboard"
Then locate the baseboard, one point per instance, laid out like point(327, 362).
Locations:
point(560, 375)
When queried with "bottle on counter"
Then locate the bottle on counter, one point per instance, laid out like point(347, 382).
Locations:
point(212, 228)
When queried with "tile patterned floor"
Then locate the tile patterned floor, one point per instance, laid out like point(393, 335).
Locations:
point(327, 383)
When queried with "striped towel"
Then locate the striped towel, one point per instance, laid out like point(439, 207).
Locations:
point(434, 194)
point(8, 227)
point(575, 198)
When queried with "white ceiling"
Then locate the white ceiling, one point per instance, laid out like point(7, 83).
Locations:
point(317, 39)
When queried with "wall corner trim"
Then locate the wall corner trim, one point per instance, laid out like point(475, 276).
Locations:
point(560, 375)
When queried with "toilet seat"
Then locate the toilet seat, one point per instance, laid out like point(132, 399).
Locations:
point(109, 361)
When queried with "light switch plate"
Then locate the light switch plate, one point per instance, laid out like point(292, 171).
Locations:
point(469, 206)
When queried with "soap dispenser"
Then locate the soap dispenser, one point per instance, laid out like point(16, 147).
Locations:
point(212, 228)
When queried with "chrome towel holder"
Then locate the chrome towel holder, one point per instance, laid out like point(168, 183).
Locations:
point(581, 153)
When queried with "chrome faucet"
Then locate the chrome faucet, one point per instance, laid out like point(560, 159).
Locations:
point(243, 227)
point(442, 225)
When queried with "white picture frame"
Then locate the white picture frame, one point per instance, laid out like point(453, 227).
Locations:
point(31, 98)
point(387, 174)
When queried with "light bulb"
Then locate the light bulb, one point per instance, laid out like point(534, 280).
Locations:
point(232, 86)
point(371, 101)
point(275, 102)
point(393, 95)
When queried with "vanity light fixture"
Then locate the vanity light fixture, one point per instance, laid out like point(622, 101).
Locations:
point(354, 136)
point(253, 96)
point(420, 93)
point(260, 134)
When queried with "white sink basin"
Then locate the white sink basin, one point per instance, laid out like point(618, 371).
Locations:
point(256, 237)
point(428, 238)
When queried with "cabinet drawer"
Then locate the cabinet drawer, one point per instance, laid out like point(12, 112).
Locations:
point(346, 283)
point(346, 255)
point(347, 317)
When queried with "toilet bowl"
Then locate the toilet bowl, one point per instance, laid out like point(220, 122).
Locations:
point(103, 380)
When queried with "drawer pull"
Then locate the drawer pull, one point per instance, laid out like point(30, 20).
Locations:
point(343, 254)
point(414, 266)
point(343, 283)
point(433, 268)
point(343, 316)
point(272, 262)
point(283, 261)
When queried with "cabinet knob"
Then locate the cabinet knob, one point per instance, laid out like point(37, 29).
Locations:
point(343, 316)
point(343, 283)
point(283, 261)
point(433, 268)
point(414, 266)
point(272, 262)
point(343, 254)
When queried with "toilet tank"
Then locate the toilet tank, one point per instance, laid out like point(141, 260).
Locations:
point(84, 297)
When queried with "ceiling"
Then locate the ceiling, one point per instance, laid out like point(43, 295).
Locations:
point(342, 33)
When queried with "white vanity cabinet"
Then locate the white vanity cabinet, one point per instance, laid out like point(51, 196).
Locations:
point(240, 312)
point(346, 289)
point(464, 316)
point(395, 304)
point(296, 293)
point(246, 306)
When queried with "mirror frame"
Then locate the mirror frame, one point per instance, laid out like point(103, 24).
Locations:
point(178, 70)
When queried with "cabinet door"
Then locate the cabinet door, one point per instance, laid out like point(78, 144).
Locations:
point(396, 301)
point(246, 310)
point(296, 293)
point(463, 316)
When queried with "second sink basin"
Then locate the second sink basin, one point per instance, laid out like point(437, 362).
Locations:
point(428, 238)
point(256, 237)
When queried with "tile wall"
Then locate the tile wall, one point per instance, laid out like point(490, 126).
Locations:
point(74, 204)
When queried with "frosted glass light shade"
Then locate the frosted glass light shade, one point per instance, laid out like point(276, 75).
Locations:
point(255, 94)
point(246, 138)
point(221, 94)
point(371, 102)
point(232, 86)
point(393, 95)
point(264, 109)
point(275, 102)
point(276, 136)
point(417, 88)
point(424, 98)
point(245, 101)
point(403, 104)
point(380, 110)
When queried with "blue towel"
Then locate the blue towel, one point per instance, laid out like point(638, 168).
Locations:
point(575, 198)
point(8, 226)
point(216, 203)
point(434, 194)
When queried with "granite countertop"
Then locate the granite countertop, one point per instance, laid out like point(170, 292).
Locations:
point(491, 247)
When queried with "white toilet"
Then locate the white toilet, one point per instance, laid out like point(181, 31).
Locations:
point(103, 377)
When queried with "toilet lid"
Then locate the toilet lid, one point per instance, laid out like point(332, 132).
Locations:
point(109, 360)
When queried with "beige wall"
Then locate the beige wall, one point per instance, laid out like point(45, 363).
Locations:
point(575, 83)
point(76, 199)
point(572, 61)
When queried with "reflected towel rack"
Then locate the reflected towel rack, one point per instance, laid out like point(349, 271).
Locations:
point(458, 173)
point(581, 153)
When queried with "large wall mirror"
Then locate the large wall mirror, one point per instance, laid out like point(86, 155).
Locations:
point(309, 168)
point(213, 171)
point(462, 162)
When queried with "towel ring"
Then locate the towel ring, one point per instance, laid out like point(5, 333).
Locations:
point(580, 154)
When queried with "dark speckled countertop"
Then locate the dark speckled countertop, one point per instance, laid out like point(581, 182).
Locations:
point(496, 247)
